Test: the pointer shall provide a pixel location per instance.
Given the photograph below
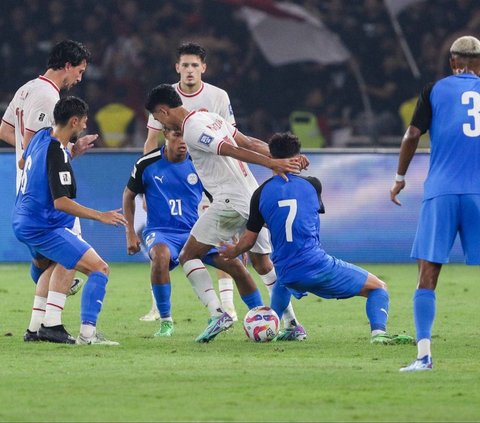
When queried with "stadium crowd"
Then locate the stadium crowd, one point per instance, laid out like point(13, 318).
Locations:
point(133, 45)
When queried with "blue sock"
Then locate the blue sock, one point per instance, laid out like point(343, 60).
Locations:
point(377, 309)
point(252, 300)
point(92, 297)
point(424, 312)
point(162, 292)
point(35, 272)
point(280, 299)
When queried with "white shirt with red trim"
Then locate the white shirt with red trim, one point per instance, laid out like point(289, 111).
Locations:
point(228, 180)
point(31, 109)
point(208, 98)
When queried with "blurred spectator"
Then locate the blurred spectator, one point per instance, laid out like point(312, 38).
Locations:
point(133, 42)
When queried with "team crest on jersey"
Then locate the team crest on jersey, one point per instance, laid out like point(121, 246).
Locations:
point(192, 178)
point(65, 178)
point(205, 139)
point(149, 239)
point(41, 117)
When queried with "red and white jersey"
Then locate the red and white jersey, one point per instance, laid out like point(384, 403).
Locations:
point(208, 98)
point(229, 181)
point(31, 109)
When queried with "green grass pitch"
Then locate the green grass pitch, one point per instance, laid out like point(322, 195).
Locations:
point(336, 375)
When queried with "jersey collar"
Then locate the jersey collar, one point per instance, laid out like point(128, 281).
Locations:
point(190, 95)
point(43, 78)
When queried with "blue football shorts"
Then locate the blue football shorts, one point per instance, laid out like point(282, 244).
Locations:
point(60, 245)
point(441, 218)
point(340, 280)
point(173, 240)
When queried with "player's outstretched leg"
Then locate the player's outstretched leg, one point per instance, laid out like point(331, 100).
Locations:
point(153, 314)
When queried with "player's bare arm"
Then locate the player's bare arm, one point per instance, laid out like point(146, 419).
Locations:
point(252, 143)
point(246, 242)
point(133, 242)
point(152, 141)
point(7, 133)
point(67, 205)
point(280, 166)
point(407, 151)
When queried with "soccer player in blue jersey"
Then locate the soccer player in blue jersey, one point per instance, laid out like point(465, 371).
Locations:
point(173, 191)
point(450, 110)
point(291, 210)
point(43, 219)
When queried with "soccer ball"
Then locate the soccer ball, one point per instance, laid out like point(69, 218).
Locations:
point(261, 324)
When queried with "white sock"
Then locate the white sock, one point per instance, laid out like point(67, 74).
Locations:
point(423, 347)
point(53, 311)
point(377, 332)
point(202, 284)
point(167, 319)
point(154, 302)
point(289, 319)
point(225, 286)
point(38, 313)
point(88, 331)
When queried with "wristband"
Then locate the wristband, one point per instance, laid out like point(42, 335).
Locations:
point(399, 178)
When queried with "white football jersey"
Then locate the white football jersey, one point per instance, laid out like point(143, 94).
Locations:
point(208, 98)
point(228, 180)
point(31, 109)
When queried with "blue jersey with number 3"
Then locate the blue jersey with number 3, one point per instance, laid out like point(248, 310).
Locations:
point(455, 137)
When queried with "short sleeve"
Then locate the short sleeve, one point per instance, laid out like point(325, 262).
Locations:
point(153, 124)
point(422, 116)
point(60, 173)
point(39, 113)
point(255, 220)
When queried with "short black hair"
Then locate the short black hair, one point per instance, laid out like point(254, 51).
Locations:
point(192, 48)
point(163, 94)
point(283, 145)
point(68, 51)
point(68, 107)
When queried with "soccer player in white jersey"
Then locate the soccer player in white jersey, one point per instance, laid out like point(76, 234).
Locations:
point(31, 109)
point(219, 153)
point(196, 95)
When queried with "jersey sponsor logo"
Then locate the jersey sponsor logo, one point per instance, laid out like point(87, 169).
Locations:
point(159, 178)
point(65, 178)
point(205, 139)
point(192, 178)
point(41, 117)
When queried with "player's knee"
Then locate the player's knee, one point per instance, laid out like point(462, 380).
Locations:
point(261, 263)
point(102, 267)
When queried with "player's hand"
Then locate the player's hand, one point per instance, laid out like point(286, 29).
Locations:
point(83, 144)
point(133, 243)
point(113, 217)
point(395, 190)
point(227, 250)
point(304, 162)
point(283, 166)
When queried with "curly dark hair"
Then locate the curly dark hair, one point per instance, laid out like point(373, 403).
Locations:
point(68, 107)
point(68, 51)
point(283, 145)
point(192, 48)
point(163, 94)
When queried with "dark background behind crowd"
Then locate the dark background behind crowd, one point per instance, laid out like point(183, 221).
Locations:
point(133, 44)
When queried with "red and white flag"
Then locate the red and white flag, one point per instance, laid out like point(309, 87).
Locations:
point(288, 33)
